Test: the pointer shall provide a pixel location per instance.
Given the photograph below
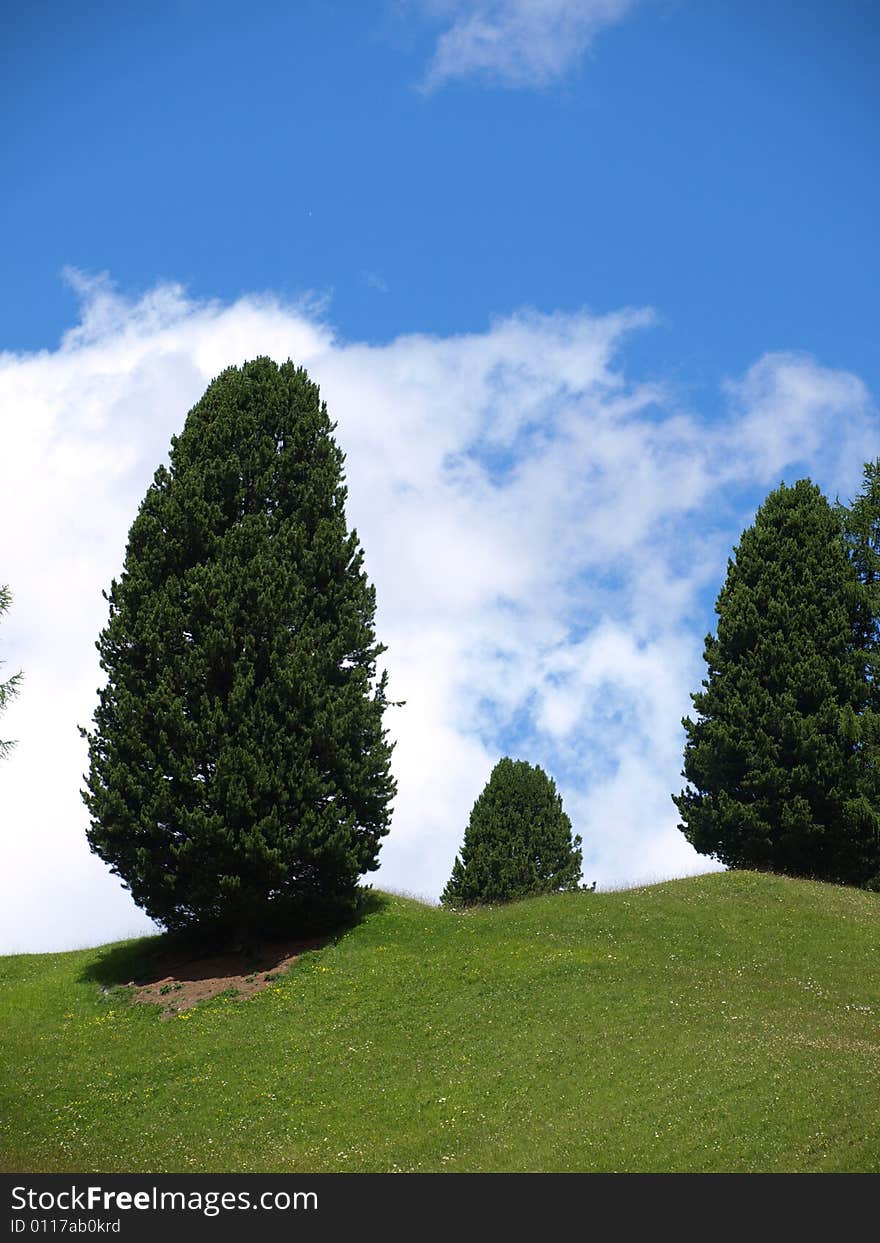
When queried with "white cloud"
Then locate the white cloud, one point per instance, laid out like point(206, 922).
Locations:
point(516, 43)
point(787, 404)
point(543, 531)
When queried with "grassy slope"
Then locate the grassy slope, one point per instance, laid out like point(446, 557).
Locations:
point(726, 1022)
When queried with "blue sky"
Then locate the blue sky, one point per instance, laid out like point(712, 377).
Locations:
point(581, 280)
point(714, 160)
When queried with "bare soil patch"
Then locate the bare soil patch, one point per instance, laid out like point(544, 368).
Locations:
point(177, 982)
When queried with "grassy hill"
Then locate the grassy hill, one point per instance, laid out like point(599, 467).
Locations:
point(724, 1022)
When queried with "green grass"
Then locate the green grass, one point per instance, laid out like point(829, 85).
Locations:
point(724, 1022)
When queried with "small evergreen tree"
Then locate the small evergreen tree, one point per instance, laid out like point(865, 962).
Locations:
point(9, 688)
point(518, 840)
point(240, 774)
point(780, 759)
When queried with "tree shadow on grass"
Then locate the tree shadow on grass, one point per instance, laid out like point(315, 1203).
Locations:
point(176, 972)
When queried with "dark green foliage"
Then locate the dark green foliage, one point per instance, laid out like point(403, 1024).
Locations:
point(781, 757)
point(518, 841)
point(861, 528)
point(240, 774)
point(10, 687)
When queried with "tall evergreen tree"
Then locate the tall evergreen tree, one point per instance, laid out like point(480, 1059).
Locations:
point(861, 527)
point(240, 773)
point(9, 688)
point(780, 758)
point(518, 840)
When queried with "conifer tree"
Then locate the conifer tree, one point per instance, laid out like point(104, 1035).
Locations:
point(518, 840)
point(239, 774)
point(779, 760)
point(861, 527)
point(9, 688)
